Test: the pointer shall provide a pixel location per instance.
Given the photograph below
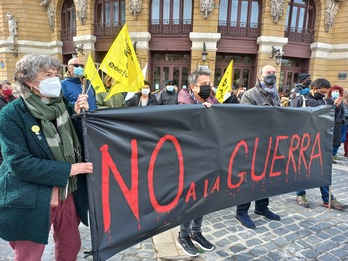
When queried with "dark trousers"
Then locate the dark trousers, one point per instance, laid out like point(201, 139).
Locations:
point(191, 228)
point(260, 205)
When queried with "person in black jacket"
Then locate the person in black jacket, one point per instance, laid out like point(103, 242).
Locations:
point(169, 94)
point(144, 97)
point(319, 89)
point(302, 87)
point(265, 93)
point(336, 93)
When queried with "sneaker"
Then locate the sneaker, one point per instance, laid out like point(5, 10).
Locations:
point(334, 204)
point(187, 246)
point(302, 201)
point(200, 240)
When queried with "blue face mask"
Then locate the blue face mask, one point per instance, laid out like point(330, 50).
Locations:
point(170, 88)
point(335, 95)
point(78, 71)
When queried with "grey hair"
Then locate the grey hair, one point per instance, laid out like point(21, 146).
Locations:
point(28, 67)
point(192, 79)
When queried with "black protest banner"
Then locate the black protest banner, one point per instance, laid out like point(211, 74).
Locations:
point(157, 167)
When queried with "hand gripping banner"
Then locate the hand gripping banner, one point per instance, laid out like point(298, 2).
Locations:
point(157, 167)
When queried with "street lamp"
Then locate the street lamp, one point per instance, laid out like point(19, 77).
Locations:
point(277, 55)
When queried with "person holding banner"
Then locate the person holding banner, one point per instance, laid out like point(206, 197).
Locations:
point(115, 101)
point(42, 179)
point(316, 97)
point(199, 92)
point(144, 97)
point(263, 94)
point(73, 86)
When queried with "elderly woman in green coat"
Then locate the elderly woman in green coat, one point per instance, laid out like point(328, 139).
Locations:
point(41, 177)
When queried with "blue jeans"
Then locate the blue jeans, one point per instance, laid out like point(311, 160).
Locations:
point(324, 193)
point(191, 228)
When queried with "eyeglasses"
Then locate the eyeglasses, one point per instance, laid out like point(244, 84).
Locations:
point(77, 65)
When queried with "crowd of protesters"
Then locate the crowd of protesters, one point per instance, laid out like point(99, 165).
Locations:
point(49, 163)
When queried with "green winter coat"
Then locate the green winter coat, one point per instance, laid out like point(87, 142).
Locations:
point(27, 177)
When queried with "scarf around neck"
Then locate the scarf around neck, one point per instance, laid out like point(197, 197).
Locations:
point(270, 90)
point(59, 132)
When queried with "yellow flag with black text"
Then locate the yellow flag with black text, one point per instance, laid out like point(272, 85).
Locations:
point(225, 84)
point(93, 76)
point(121, 63)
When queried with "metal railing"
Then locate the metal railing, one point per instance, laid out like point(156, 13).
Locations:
point(230, 28)
point(171, 26)
point(299, 34)
point(67, 34)
point(108, 29)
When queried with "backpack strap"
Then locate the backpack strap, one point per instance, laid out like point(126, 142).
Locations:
point(304, 99)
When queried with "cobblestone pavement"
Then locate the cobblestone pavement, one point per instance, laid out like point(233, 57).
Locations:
point(302, 234)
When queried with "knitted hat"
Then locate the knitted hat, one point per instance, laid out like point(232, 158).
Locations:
point(169, 82)
point(302, 76)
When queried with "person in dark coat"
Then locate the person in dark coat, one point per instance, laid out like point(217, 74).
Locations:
point(169, 94)
point(144, 97)
point(336, 93)
point(41, 177)
point(302, 87)
point(319, 89)
point(263, 94)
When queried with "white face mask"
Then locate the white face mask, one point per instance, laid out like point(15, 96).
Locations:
point(145, 92)
point(50, 87)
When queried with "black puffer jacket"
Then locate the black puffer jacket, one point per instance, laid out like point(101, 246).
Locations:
point(134, 101)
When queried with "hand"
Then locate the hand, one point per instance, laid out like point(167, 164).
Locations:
point(81, 103)
point(338, 101)
point(206, 104)
point(81, 168)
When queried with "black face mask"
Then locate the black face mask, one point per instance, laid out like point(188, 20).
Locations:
point(270, 79)
point(318, 96)
point(205, 91)
point(307, 83)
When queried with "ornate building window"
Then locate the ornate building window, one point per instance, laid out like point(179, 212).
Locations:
point(239, 18)
point(110, 16)
point(171, 16)
point(300, 21)
point(68, 21)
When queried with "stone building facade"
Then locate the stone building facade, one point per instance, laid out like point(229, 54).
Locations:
point(171, 36)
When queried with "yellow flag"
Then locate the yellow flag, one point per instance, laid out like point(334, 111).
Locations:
point(93, 76)
point(121, 63)
point(225, 84)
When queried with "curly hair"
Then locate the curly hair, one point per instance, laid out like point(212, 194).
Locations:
point(334, 88)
